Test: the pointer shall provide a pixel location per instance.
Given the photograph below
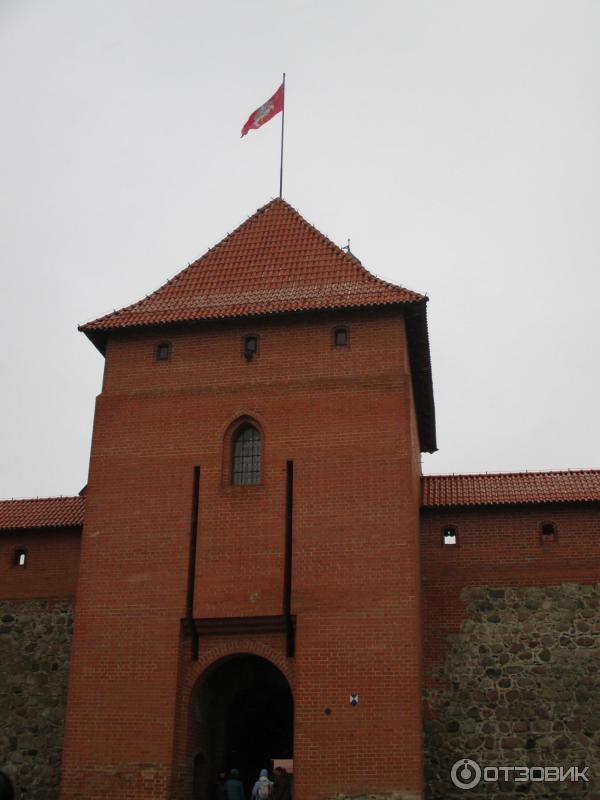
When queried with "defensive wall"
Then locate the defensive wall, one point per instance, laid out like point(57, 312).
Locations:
point(511, 635)
point(511, 621)
point(36, 617)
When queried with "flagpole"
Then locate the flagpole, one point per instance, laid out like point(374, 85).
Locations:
point(281, 159)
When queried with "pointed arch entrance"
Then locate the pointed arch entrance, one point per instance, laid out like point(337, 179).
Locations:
point(243, 718)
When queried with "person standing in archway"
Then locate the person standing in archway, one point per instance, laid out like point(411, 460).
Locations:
point(234, 786)
point(282, 789)
point(220, 787)
point(263, 788)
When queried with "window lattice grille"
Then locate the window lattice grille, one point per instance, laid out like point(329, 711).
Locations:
point(246, 457)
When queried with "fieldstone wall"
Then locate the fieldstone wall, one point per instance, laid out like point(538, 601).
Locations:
point(35, 643)
point(522, 687)
point(393, 796)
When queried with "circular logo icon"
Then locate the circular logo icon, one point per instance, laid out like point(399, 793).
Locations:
point(465, 773)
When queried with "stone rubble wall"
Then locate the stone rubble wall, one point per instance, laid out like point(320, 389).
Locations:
point(35, 643)
point(393, 796)
point(521, 686)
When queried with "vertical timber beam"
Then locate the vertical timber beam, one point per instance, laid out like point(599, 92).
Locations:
point(192, 562)
point(290, 643)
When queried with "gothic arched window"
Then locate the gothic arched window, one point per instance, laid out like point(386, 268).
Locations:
point(246, 456)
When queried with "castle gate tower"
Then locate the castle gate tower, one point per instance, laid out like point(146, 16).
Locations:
point(249, 575)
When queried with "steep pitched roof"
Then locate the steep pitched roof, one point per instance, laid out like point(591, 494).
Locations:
point(510, 488)
point(44, 512)
point(276, 263)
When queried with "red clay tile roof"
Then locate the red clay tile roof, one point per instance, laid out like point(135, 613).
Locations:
point(47, 512)
point(275, 262)
point(511, 488)
point(439, 491)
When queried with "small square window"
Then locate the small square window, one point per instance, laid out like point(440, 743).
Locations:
point(163, 351)
point(449, 537)
point(250, 347)
point(547, 532)
point(340, 337)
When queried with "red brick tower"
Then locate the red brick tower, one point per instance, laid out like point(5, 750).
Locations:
point(251, 533)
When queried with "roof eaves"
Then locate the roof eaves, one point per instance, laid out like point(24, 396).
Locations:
point(420, 363)
point(99, 336)
point(514, 503)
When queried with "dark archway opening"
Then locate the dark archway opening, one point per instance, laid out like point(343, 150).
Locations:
point(6, 788)
point(244, 719)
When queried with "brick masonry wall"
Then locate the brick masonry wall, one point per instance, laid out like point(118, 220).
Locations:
point(512, 645)
point(52, 563)
point(345, 416)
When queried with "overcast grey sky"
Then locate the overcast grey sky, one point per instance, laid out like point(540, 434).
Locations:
point(455, 142)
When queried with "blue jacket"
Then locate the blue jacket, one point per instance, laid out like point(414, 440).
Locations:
point(235, 789)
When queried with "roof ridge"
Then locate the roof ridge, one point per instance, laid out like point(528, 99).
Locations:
point(574, 471)
point(41, 499)
point(352, 259)
point(178, 275)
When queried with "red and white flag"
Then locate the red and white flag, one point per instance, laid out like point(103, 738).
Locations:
point(266, 112)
